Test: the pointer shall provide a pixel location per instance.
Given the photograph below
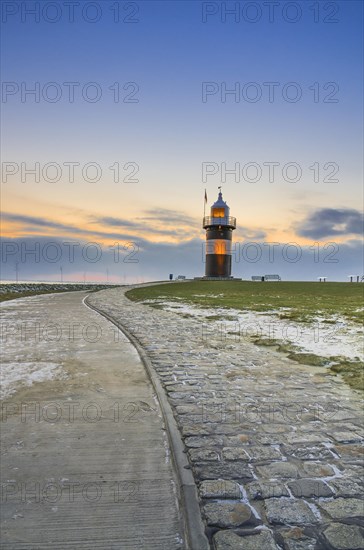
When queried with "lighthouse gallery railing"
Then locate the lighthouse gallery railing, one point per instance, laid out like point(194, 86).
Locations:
point(227, 221)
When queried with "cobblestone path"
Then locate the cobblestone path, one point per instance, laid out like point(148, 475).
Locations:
point(275, 447)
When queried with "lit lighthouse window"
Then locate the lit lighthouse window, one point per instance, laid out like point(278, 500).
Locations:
point(218, 212)
point(218, 246)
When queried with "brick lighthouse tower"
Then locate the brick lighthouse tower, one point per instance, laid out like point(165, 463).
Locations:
point(219, 233)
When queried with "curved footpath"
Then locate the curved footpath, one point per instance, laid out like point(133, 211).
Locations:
point(86, 461)
point(275, 447)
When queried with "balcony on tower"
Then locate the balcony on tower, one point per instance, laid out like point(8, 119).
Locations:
point(219, 215)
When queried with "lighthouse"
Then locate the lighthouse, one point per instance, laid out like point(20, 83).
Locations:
point(219, 234)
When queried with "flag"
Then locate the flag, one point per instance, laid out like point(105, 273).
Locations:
point(205, 197)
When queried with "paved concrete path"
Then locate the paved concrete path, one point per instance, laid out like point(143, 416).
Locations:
point(85, 460)
point(275, 446)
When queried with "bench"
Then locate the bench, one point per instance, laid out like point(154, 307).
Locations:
point(272, 278)
point(263, 278)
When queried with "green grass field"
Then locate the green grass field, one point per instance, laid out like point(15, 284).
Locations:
point(305, 300)
point(302, 302)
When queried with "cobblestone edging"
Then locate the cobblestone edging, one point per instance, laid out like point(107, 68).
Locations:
point(194, 531)
point(275, 447)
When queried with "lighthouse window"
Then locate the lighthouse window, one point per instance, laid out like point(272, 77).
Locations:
point(218, 212)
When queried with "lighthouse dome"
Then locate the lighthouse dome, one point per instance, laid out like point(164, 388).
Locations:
point(219, 215)
point(220, 209)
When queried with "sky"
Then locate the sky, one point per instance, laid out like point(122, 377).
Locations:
point(116, 116)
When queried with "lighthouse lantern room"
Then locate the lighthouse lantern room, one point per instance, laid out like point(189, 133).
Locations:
point(219, 232)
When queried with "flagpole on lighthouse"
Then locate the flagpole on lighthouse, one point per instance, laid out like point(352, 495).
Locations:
point(204, 204)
